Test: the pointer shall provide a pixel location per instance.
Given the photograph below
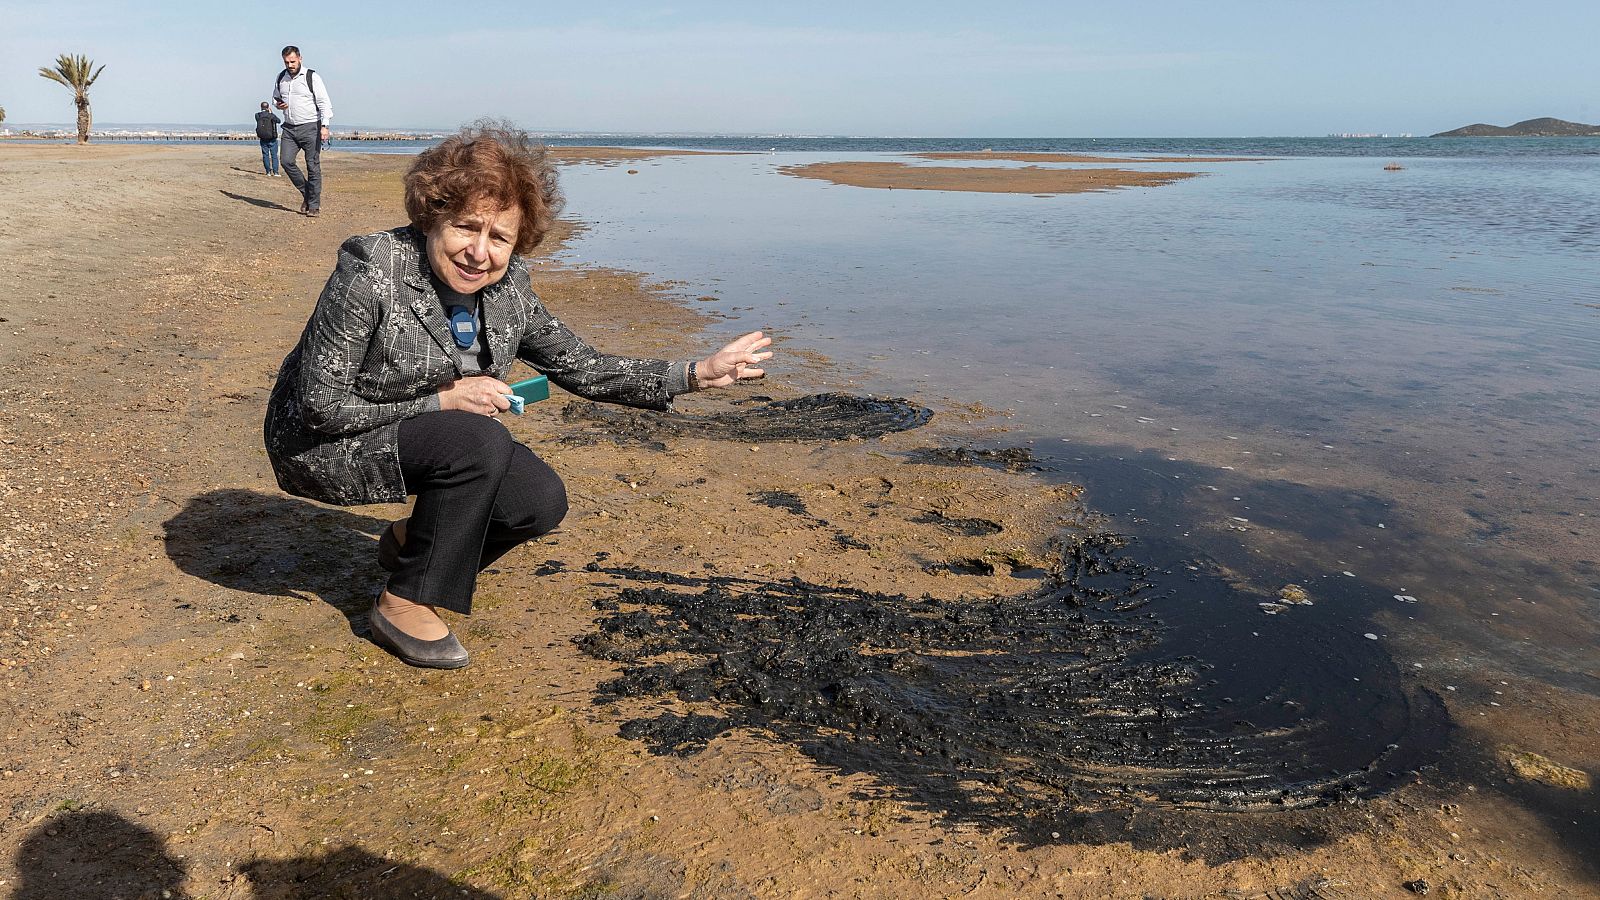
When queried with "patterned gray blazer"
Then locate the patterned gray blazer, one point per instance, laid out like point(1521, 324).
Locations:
point(378, 348)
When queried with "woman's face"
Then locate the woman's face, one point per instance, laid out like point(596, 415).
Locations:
point(471, 251)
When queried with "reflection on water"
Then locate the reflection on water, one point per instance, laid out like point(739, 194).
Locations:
point(1391, 373)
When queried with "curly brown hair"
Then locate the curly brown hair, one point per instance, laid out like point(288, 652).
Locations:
point(488, 162)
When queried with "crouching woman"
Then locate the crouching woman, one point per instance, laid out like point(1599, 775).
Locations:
point(395, 386)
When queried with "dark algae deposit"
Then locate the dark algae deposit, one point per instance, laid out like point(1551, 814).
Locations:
point(816, 417)
point(1005, 459)
point(785, 500)
point(1132, 695)
point(969, 527)
point(1072, 712)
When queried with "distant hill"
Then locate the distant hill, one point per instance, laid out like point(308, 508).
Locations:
point(1545, 127)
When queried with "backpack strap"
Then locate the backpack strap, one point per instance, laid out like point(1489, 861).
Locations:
point(310, 85)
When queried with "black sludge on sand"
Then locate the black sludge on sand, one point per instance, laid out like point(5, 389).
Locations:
point(964, 527)
point(1006, 459)
point(815, 417)
point(1067, 713)
point(788, 501)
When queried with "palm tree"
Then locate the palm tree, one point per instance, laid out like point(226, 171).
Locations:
point(73, 72)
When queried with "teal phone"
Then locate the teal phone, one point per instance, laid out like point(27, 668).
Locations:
point(531, 391)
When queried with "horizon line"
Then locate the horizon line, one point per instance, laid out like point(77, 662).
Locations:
point(574, 132)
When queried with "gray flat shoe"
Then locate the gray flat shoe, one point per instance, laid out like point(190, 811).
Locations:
point(444, 653)
point(389, 550)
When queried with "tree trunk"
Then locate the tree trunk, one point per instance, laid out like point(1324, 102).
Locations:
point(83, 119)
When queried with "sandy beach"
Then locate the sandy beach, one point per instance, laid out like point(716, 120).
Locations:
point(1031, 179)
point(192, 704)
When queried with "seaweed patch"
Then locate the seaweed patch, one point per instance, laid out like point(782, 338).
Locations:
point(1069, 708)
point(963, 527)
point(788, 501)
point(973, 565)
point(1006, 459)
point(815, 417)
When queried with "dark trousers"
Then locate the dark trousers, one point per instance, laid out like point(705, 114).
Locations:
point(305, 138)
point(479, 494)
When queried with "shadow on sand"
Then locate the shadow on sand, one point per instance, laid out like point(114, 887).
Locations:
point(256, 201)
point(99, 855)
point(279, 546)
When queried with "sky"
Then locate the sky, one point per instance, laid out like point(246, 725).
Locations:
point(932, 68)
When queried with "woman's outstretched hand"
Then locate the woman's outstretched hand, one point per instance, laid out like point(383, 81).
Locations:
point(480, 394)
point(735, 362)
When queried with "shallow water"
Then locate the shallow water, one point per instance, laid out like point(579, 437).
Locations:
point(1324, 309)
point(1306, 370)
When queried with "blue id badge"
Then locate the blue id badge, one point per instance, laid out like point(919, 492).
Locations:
point(463, 326)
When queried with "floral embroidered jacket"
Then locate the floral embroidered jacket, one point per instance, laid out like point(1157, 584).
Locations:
point(378, 348)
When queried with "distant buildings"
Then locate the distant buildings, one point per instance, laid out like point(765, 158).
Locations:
point(164, 135)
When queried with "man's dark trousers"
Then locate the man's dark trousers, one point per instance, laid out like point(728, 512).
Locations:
point(306, 138)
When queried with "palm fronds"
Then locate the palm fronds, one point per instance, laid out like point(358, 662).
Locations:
point(73, 72)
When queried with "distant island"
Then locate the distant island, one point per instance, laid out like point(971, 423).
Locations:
point(1545, 127)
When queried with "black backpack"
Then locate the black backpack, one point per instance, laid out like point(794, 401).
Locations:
point(266, 126)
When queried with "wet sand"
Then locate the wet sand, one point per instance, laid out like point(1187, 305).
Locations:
point(187, 677)
point(1027, 180)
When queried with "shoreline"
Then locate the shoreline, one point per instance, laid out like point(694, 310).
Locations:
point(194, 567)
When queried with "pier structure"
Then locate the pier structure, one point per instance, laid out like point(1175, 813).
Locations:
point(167, 137)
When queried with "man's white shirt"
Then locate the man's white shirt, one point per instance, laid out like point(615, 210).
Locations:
point(297, 93)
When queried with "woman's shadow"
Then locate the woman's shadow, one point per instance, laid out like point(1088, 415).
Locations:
point(99, 855)
point(280, 546)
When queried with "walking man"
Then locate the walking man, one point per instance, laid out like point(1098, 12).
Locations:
point(267, 134)
point(307, 112)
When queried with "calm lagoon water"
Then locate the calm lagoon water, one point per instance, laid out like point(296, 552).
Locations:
point(1284, 371)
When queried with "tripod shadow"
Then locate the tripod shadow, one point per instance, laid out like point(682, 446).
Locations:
point(95, 856)
point(350, 872)
point(100, 855)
